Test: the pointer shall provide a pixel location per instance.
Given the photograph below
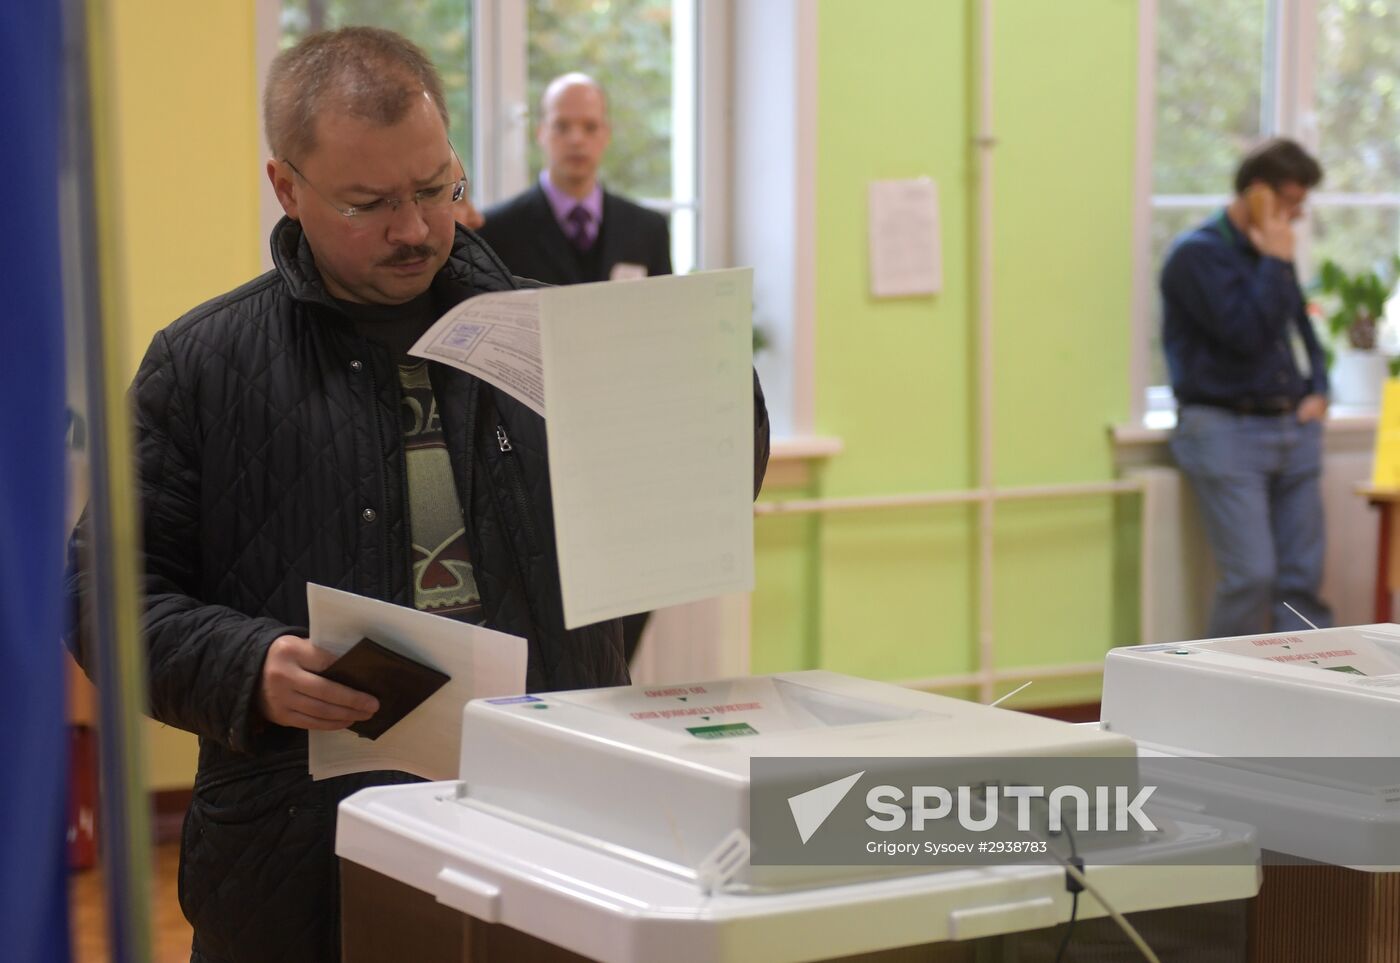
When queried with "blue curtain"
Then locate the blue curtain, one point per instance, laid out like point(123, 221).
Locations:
point(33, 733)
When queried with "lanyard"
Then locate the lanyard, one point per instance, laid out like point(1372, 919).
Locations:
point(1224, 228)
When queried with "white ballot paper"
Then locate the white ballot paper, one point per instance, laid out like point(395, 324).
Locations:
point(426, 742)
point(495, 337)
point(906, 256)
point(647, 390)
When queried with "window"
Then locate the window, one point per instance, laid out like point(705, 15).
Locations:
point(633, 48)
point(497, 56)
point(1358, 131)
point(1229, 72)
point(441, 27)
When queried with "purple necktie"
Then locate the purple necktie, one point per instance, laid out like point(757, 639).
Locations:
point(578, 220)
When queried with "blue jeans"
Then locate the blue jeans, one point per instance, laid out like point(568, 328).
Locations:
point(1257, 484)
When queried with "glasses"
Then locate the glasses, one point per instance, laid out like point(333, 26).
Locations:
point(380, 211)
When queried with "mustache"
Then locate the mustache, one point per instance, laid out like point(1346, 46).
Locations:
point(406, 254)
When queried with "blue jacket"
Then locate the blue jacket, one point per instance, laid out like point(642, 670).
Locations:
point(1228, 314)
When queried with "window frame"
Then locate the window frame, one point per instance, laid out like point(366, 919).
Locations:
point(726, 72)
point(502, 115)
point(1287, 108)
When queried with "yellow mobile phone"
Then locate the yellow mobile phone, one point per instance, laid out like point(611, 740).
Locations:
point(1261, 201)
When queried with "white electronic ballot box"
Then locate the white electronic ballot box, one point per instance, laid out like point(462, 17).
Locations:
point(613, 824)
point(1295, 733)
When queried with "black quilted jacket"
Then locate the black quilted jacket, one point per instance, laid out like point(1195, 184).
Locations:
point(270, 456)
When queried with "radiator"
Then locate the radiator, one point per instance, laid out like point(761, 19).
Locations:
point(1178, 574)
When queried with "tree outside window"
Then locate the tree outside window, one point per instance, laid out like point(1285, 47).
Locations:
point(1218, 84)
point(626, 46)
point(441, 27)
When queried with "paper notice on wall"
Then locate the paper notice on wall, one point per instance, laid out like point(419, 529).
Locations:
point(647, 387)
point(906, 256)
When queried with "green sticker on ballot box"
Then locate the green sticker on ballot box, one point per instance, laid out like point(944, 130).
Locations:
point(728, 731)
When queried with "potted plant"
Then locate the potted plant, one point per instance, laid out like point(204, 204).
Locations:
point(1355, 309)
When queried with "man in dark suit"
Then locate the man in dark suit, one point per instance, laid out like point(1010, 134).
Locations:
point(567, 229)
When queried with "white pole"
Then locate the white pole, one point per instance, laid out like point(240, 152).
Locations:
point(95, 314)
point(986, 415)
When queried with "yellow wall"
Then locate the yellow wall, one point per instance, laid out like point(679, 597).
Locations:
point(187, 151)
point(189, 155)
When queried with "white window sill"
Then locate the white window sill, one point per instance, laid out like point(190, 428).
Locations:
point(791, 459)
point(1156, 426)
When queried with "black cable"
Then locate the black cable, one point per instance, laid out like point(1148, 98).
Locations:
point(1069, 930)
point(1071, 884)
point(1075, 889)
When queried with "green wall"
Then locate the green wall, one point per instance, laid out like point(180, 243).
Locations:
point(892, 594)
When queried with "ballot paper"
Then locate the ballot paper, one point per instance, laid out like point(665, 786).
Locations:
point(427, 741)
point(647, 390)
point(495, 337)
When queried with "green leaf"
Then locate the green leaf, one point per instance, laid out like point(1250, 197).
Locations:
point(1330, 276)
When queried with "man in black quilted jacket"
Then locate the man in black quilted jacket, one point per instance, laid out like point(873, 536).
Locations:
point(284, 436)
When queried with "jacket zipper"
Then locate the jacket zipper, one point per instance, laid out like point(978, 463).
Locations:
point(507, 451)
point(517, 485)
point(387, 563)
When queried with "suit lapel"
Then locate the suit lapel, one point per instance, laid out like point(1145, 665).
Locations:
point(612, 236)
point(549, 239)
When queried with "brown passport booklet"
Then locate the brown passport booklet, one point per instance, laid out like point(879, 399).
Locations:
point(399, 683)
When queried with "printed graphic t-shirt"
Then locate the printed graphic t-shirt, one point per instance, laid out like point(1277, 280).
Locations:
point(443, 583)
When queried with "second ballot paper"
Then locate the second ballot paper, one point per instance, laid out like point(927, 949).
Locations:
point(646, 388)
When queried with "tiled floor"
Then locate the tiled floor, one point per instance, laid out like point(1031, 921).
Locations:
point(170, 934)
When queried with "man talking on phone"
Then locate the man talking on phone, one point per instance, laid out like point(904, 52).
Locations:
point(1250, 380)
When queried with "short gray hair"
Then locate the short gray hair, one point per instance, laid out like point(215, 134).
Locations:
point(370, 73)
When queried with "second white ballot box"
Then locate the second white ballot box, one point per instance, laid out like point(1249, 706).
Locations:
point(627, 825)
point(1295, 733)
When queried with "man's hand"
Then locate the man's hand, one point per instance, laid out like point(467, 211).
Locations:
point(1312, 408)
point(1274, 235)
point(291, 694)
